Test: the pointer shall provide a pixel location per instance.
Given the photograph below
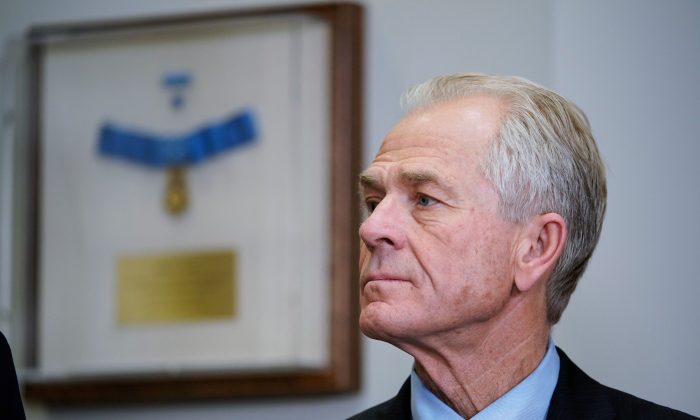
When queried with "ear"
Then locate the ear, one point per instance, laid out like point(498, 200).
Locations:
point(539, 246)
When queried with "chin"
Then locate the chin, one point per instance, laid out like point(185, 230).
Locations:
point(370, 331)
point(379, 325)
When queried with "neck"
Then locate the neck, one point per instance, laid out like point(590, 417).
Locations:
point(473, 368)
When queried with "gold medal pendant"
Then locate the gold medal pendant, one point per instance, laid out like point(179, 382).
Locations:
point(175, 154)
point(176, 191)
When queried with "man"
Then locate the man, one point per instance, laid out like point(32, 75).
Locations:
point(10, 399)
point(484, 206)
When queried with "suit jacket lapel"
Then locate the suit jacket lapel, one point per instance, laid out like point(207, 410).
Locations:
point(577, 395)
point(400, 406)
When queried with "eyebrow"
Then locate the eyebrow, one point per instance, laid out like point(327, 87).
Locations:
point(369, 181)
point(411, 177)
point(420, 177)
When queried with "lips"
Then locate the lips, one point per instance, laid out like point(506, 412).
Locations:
point(384, 277)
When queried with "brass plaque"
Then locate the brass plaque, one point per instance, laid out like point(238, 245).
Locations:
point(180, 287)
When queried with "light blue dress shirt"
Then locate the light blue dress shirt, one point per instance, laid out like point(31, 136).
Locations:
point(529, 400)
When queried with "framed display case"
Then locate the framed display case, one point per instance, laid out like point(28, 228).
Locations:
point(193, 206)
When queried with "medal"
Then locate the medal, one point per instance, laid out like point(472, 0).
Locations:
point(176, 191)
point(176, 153)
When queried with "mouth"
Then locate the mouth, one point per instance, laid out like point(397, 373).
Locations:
point(381, 277)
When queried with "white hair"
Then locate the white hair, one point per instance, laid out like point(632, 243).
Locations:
point(543, 160)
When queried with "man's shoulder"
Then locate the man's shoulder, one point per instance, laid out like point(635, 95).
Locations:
point(380, 411)
point(398, 407)
point(577, 395)
point(10, 400)
point(632, 405)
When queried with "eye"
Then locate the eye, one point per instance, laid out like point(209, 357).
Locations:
point(425, 201)
point(371, 204)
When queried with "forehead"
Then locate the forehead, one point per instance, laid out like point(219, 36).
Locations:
point(448, 136)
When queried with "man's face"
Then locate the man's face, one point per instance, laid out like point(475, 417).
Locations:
point(436, 256)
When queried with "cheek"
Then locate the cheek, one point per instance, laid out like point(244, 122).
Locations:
point(364, 255)
point(479, 265)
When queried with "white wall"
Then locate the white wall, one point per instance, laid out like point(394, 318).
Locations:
point(631, 323)
point(633, 66)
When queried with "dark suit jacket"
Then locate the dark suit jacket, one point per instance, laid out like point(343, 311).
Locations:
point(10, 401)
point(576, 396)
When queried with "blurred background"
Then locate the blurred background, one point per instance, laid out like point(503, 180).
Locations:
point(631, 65)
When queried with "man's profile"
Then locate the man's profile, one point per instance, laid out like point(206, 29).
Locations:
point(485, 203)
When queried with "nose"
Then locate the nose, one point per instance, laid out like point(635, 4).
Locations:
point(383, 228)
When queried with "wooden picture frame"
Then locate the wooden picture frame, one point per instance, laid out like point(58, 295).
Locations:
point(340, 371)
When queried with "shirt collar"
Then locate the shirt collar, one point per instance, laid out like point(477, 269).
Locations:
point(527, 400)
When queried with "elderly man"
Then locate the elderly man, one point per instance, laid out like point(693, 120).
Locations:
point(484, 206)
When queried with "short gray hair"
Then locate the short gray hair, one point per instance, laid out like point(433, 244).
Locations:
point(543, 160)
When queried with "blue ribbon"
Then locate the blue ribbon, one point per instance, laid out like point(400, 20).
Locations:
point(176, 79)
point(159, 151)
